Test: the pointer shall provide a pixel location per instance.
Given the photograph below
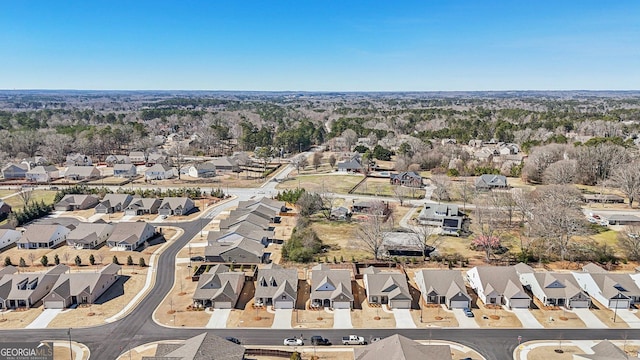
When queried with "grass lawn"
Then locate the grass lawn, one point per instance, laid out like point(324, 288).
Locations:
point(36, 196)
point(4, 193)
point(340, 184)
point(341, 237)
point(382, 187)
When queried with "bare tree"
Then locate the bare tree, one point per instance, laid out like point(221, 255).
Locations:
point(629, 242)
point(560, 172)
point(178, 152)
point(442, 185)
point(467, 193)
point(627, 179)
point(100, 257)
point(556, 217)
point(596, 163)
point(332, 160)
point(371, 234)
point(328, 201)
point(25, 196)
point(317, 160)
point(400, 193)
point(522, 203)
point(350, 138)
point(426, 237)
point(539, 159)
point(488, 221)
point(32, 257)
point(65, 256)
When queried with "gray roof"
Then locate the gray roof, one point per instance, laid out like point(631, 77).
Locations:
point(391, 284)
point(205, 166)
point(611, 285)
point(238, 217)
point(86, 233)
point(398, 347)
point(41, 233)
point(8, 270)
point(177, 202)
point(123, 167)
point(42, 169)
point(205, 346)
point(447, 283)
point(248, 245)
point(559, 285)
point(9, 282)
point(273, 279)
point(276, 205)
point(82, 171)
point(502, 279)
point(224, 161)
point(219, 284)
point(336, 283)
point(490, 180)
point(144, 203)
point(128, 232)
point(78, 200)
point(72, 284)
point(623, 217)
point(111, 200)
point(593, 269)
point(158, 168)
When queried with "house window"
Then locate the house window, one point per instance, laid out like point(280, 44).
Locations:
point(374, 299)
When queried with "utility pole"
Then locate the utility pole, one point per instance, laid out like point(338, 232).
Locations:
point(70, 350)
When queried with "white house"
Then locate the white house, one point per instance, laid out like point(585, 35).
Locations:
point(498, 285)
point(611, 290)
point(9, 237)
point(159, 172)
point(41, 236)
point(124, 170)
point(554, 289)
point(43, 174)
point(202, 170)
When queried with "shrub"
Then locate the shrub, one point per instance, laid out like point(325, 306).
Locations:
point(23, 263)
point(142, 263)
point(56, 259)
point(7, 261)
point(92, 260)
point(115, 260)
point(44, 260)
point(77, 260)
point(129, 260)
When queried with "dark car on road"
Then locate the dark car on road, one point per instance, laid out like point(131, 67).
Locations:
point(197, 258)
point(233, 340)
point(319, 340)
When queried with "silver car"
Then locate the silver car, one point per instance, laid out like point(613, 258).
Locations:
point(293, 342)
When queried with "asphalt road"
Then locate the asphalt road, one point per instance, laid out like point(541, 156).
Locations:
point(108, 341)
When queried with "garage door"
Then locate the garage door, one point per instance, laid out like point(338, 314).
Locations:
point(54, 305)
point(619, 304)
point(283, 304)
point(459, 304)
point(519, 303)
point(222, 305)
point(580, 304)
point(401, 304)
point(341, 305)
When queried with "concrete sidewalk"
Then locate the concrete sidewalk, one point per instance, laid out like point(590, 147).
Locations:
point(404, 319)
point(282, 318)
point(43, 320)
point(218, 319)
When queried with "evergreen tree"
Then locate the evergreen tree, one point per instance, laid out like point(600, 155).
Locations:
point(129, 260)
point(77, 260)
point(56, 259)
point(7, 261)
point(115, 260)
point(23, 263)
point(44, 260)
point(142, 263)
point(92, 260)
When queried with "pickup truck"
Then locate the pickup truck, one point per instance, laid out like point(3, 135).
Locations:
point(353, 340)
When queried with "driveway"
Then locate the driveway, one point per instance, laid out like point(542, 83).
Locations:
point(282, 319)
point(589, 319)
point(403, 319)
point(44, 319)
point(629, 317)
point(219, 319)
point(527, 319)
point(342, 319)
point(463, 320)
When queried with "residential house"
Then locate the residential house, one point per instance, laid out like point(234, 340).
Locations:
point(613, 290)
point(159, 172)
point(623, 219)
point(176, 206)
point(79, 173)
point(443, 287)
point(113, 160)
point(387, 288)
point(605, 350)
point(277, 287)
point(277, 206)
point(262, 211)
point(42, 174)
point(201, 347)
point(553, 288)
point(5, 210)
point(124, 171)
point(354, 164)
point(379, 208)
point(80, 288)
point(225, 164)
point(32, 162)
point(89, 235)
point(15, 171)
point(218, 288)
point(24, 290)
point(75, 159)
point(331, 288)
point(603, 198)
point(130, 235)
point(498, 285)
point(142, 206)
point(407, 178)
point(243, 229)
point(403, 244)
point(137, 157)
point(236, 218)
point(9, 237)
point(112, 203)
point(241, 251)
point(490, 182)
point(340, 213)
point(156, 158)
point(398, 347)
point(445, 216)
point(72, 202)
point(202, 170)
point(43, 236)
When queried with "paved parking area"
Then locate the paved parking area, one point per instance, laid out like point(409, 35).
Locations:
point(404, 319)
point(282, 319)
point(219, 319)
point(342, 319)
point(527, 319)
point(589, 319)
point(463, 320)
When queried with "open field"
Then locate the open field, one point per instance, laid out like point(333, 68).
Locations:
point(340, 184)
point(382, 187)
point(17, 203)
point(4, 193)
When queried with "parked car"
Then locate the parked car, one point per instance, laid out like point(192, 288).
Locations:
point(197, 258)
point(293, 342)
point(468, 312)
point(233, 340)
point(353, 340)
point(319, 340)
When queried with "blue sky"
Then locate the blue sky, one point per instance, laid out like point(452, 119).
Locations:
point(320, 45)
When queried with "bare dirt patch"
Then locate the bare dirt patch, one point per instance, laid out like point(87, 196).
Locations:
point(557, 318)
